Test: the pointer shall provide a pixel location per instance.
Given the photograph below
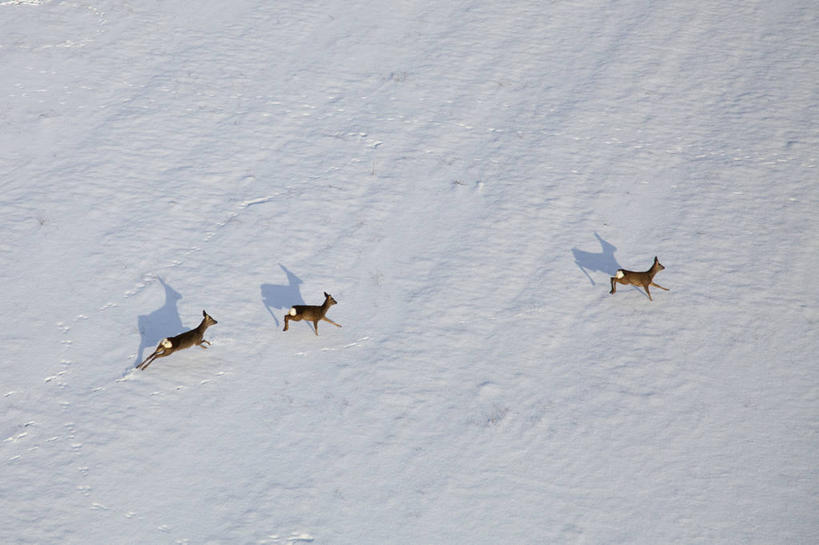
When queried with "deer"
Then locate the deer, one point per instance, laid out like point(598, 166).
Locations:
point(639, 279)
point(312, 313)
point(169, 345)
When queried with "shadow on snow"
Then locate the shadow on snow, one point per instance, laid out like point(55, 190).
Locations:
point(603, 261)
point(282, 296)
point(161, 323)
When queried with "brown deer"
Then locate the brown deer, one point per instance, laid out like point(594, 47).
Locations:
point(187, 339)
point(639, 279)
point(312, 313)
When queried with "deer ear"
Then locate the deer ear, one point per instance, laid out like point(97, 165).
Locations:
point(326, 294)
point(655, 258)
point(204, 313)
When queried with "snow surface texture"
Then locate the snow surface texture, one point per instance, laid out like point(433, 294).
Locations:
point(463, 177)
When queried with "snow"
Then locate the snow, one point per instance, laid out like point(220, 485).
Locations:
point(464, 178)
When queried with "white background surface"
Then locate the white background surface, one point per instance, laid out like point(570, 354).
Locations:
point(444, 169)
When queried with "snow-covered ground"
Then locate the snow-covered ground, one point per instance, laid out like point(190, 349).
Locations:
point(463, 177)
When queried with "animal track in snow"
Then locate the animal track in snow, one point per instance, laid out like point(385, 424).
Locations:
point(260, 200)
point(300, 538)
point(56, 377)
point(24, 2)
point(17, 437)
point(356, 343)
point(293, 539)
point(349, 345)
point(488, 389)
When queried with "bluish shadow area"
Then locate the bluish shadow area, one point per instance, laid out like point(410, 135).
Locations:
point(603, 261)
point(161, 323)
point(282, 296)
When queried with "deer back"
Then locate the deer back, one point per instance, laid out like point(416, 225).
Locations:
point(315, 312)
point(639, 278)
point(194, 336)
point(310, 312)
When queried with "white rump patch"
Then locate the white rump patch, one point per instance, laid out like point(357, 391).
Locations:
point(620, 274)
point(166, 343)
point(292, 311)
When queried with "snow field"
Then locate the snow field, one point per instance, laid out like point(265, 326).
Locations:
point(464, 179)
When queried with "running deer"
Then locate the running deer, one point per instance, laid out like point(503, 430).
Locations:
point(312, 313)
point(639, 279)
point(169, 345)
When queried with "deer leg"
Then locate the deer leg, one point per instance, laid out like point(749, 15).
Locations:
point(142, 366)
point(203, 342)
point(161, 351)
point(157, 354)
point(613, 285)
point(286, 322)
point(645, 287)
point(658, 286)
point(146, 362)
point(160, 355)
point(332, 322)
point(315, 326)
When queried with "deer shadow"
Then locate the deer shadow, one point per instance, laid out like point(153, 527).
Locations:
point(161, 323)
point(282, 296)
point(603, 261)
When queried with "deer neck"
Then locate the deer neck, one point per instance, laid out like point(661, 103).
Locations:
point(203, 325)
point(325, 307)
